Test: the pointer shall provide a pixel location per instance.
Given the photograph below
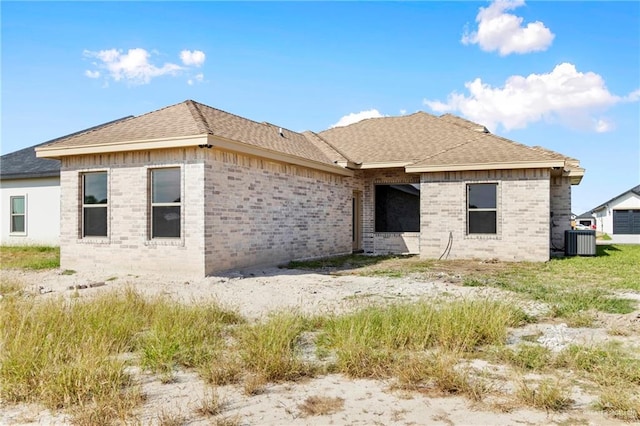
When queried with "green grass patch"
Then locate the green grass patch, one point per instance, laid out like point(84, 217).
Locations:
point(29, 257)
point(367, 343)
point(270, 349)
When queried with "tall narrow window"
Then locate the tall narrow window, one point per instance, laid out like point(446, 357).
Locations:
point(94, 204)
point(482, 208)
point(18, 215)
point(165, 203)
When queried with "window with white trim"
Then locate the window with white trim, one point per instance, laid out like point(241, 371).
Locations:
point(18, 214)
point(482, 210)
point(94, 204)
point(166, 206)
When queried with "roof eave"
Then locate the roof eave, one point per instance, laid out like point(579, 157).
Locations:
point(382, 165)
point(137, 145)
point(484, 166)
point(243, 148)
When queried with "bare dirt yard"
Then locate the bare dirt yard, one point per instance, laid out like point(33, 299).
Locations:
point(536, 376)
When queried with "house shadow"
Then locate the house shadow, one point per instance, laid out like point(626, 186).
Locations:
point(324, 266)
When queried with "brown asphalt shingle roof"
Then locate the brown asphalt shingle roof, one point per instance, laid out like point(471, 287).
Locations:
point(418, 139)
point(423, 139)
point(191, 118)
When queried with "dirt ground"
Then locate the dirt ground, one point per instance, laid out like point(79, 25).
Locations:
point(257, 293)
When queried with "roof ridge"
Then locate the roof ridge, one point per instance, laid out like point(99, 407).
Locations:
point(263, 123)
point(201, 121)
point(332, 146)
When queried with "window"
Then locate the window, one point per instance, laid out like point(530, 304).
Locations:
point(94, 204)
point(165, 203)
point(481, 208)
point(18, 214)
point(398, 208)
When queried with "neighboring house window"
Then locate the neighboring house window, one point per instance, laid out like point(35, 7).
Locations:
point(482, 208)
point(398, 208)
point(165, 203)
point(18, 215)
point(94, 204)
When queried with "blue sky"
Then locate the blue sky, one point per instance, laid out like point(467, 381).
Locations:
point(564, 75)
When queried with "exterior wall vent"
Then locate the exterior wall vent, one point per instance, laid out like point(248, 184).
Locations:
point(580, 243)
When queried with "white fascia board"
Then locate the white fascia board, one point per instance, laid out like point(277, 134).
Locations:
point(230, 145)
point(138, 145)
point(485, 166)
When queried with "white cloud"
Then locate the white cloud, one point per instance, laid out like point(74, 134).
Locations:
point(564, 95)
point(135, 66)
point(195, 58)
point(354, 117)
point(403, 111)
point(504, 32)
point(198, 78)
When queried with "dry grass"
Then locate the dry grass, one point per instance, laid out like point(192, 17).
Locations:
point(321, 406)
point(211, 404)
point(254, 384)
point(547, 395)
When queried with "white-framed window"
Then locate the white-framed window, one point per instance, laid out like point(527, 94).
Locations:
point(18, 214)
point(94, 204)
point(482, 208)
point(166, 203)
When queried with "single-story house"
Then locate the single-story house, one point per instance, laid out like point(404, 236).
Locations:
point(620, 217)
point(193, 190)
point(585, 221)
point(30, 196)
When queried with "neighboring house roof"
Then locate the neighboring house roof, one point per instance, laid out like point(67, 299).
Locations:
point(635, 190)
point(24, 164)
point(420, 142)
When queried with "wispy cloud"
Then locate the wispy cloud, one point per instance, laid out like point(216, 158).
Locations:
point(354, 117)
point(504, 32)
point(564, 95)
point(135, 66)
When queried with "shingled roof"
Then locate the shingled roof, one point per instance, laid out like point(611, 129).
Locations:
point(192, 119)
point(424, 142)
point(24, 164)
point(420, 142)
point(635, 190)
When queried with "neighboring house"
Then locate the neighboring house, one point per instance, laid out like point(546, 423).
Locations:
point(192, 190)
point(620, 217)
point(585, 221)
point(30, 197)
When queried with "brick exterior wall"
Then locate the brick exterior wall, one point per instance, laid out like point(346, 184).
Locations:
point(128, 248)
point(262, 212)
point(384, 242)
point(561, 209)
point(523, 225)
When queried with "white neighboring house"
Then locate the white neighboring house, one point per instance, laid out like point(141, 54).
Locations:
point(29, 199)
point(620, 217)
point(30, 196)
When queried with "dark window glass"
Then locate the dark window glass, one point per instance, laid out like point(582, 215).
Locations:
point(397, 208)
point(94, 211)
point(165, 203)
point(166, 222)
point(482, 196)
point(95, 188)
point(482, 222)
point(95, 221)
point(166, 186)
point(482, 208)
